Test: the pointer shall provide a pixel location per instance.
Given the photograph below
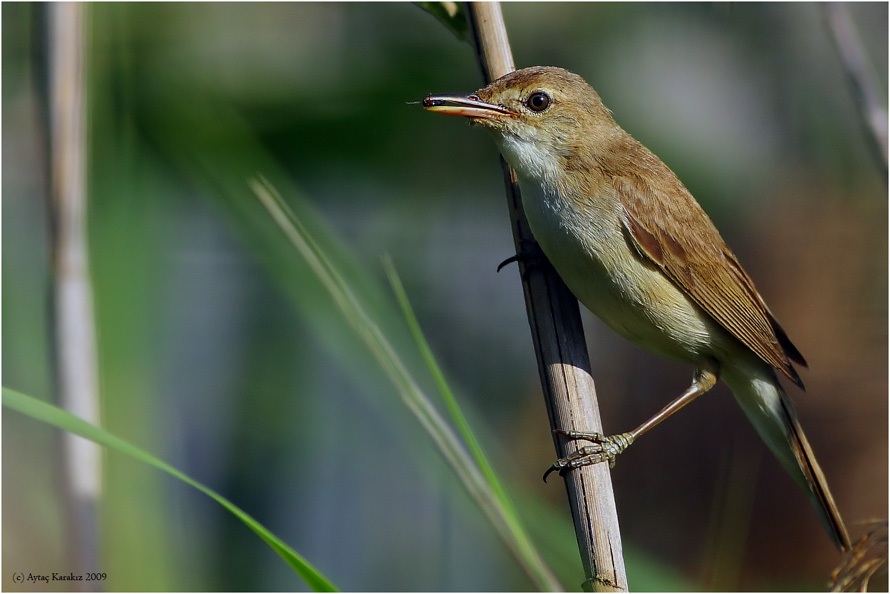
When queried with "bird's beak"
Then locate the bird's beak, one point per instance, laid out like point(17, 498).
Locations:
point(468, 106)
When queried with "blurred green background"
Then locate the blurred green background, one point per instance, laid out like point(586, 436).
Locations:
point(219, 356)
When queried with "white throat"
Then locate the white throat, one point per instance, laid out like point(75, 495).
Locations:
point(530, 161)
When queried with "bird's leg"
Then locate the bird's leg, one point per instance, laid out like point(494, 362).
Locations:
point(605, 448)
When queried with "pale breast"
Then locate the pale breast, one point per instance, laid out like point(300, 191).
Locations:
point(595, 260)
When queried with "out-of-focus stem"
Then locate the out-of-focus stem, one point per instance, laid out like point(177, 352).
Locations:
point(74, 322)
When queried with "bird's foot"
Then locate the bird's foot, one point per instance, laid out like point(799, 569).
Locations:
point(530, 255)
point(604, 448)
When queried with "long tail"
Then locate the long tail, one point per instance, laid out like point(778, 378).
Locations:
point(772, 413)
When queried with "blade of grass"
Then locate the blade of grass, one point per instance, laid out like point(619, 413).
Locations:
point(511, 516)
point(61, 419)
point(439, 379)
point(495, 506)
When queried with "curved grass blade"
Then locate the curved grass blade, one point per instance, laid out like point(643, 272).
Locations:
point(61, 419)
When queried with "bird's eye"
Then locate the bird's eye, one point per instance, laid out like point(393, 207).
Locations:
point(538, 101)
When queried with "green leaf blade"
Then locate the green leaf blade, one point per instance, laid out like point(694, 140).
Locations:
point(61, 419)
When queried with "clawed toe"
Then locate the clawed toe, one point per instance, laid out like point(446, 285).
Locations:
point(604, 448)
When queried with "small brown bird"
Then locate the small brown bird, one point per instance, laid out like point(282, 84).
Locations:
point(635, 248)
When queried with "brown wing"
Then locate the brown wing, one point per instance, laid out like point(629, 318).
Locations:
point(676, 235)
